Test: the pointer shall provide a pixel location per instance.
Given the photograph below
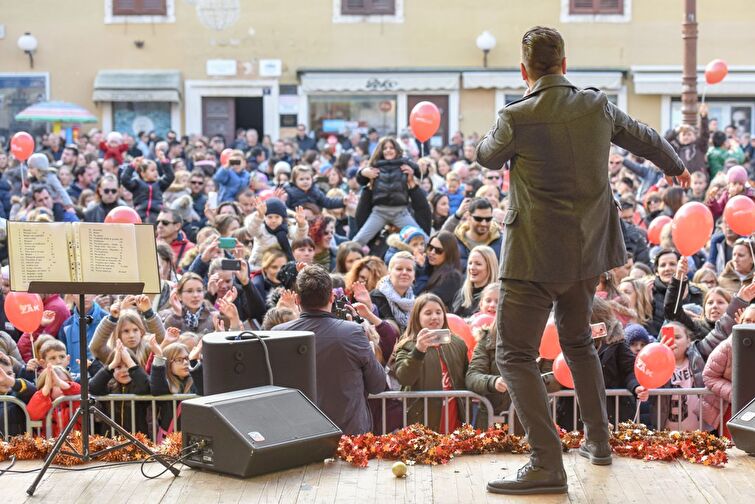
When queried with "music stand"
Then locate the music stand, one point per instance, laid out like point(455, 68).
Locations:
point(86, 405)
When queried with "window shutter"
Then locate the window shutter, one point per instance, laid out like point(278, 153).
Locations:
point(582, 7)
point(610, 7)
point(596, 6)
point(140, 8)
point(368, 7)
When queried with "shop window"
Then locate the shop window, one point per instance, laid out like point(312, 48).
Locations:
point(133, 117)
point(731, 112)
point(339, 114)
point(18, 91)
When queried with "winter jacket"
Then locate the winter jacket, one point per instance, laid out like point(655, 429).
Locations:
point(54, 187)
point(180, 246)
point(230, 183)
point(390, 187)
point(717, 379)
point(693, 154)
point(454, 199)
point(459, 229)
point(98, 212)
point(205, 325)
point(384, 308)
point(263, 285)
point(659, 303)
point(148, 196)
point(635, 242)
point(416, 371)
point(649, 174)
point(481, 377)
point(101, 385)
point(158, 385)
point(730, 280)
point(99, 346)
point(617, 361)
point(466, 311)
point(264, 241)
point(69, 334)
point(41, 404)
point(446, 287)
point(297, 197)
point(717, 157)
point(718, 252)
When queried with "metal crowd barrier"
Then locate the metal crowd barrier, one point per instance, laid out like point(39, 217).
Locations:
point(468, 397)
point(29, 424)
point(111, 399)
point(446, 395)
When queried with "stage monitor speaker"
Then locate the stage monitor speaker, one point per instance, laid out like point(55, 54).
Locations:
point(742, 365)
point(256, 431)
point(236, 361)
point(742, 428)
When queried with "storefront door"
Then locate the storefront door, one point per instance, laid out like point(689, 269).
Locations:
point(219, 117)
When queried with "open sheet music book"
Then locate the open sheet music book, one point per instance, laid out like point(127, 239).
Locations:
point(82, 252)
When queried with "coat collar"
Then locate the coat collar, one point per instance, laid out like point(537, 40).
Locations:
point(549, 81)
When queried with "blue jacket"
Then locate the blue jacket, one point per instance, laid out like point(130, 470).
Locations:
point(69, 334)
point(297, 197)
point(230, 183)
point(455, 199)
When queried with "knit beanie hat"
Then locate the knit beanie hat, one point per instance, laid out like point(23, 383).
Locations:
point(409, 232)
point(39, 161)
point(276, 207)
point(737, 175)
point(635, 332)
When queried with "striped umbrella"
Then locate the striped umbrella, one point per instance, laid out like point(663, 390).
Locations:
point(57, 112)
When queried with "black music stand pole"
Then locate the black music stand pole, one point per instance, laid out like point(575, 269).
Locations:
point(86, 405)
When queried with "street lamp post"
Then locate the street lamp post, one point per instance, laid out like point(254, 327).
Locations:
point(689, 73)
point(28, 44)
point(485, 42)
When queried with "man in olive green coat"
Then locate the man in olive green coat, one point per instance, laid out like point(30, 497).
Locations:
point(562, 232)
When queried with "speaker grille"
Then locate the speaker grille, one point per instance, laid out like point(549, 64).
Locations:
point(277, 417)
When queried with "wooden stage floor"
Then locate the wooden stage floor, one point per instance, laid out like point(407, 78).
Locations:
point(461, 481)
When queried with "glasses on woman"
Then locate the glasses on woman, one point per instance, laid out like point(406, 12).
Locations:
point(434, 249)
point(109, 191)
point(181, 360)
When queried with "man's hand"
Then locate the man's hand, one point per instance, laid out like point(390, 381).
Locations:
point(683, 179)
point(500, 385)
point(463, 208)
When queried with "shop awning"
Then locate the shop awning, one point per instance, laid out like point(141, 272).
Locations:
point(605, 80)
point(667, 80)
point(378, 82)
point(137, 85)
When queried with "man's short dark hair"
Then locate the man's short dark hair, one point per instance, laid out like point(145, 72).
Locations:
point(314, 286)
point(256, 152)
point(479, 204)
point(718, 139)
point(38, 188)
point(73, 148)
point(79, 171)
point(542, 51)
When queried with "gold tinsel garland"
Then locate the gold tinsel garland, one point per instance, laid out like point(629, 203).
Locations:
point(26, 447)
point(416, 444)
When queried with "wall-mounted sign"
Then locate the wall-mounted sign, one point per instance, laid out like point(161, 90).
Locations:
point(271, 68)
point(221, 67)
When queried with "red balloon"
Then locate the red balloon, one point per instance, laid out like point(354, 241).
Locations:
point(654, 365)
point(562, 372)
point(482, 320)
point(692, 227)
point(123, 215)
point(462, 330)
point(655, 228)
point(22, 146)
point(224, 156)
point(739, 214)
point(424, 120)
point(550, 347)
point(715, 71)
point(24, 310)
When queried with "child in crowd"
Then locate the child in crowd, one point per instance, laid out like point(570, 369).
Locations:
point(113, 147)
point(698, 185)
point(171, 373)
point(387, 174)
point(270, 229)
point(18, 388)
point(127, 325)
point(277, 316)
point(122, 375)
point(736, 179)
point(637, 337)
point(302, 190)
point(303, 250)
point(723, 148)
point(54, 382)
point(232, 180)
point(455, 191)
point(489, 299)
point(41, 171)
point(410, 238)
point(143, 179)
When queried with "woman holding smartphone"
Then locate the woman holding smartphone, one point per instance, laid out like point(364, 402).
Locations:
point(430, 357)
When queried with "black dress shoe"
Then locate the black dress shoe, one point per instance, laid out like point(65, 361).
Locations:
point(531, 480)
point(598, 453)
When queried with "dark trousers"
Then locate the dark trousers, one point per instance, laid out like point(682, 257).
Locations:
point(523, 310)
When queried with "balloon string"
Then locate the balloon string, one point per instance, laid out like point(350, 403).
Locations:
point(637, 413)
point(679, 294)
point(705, 88)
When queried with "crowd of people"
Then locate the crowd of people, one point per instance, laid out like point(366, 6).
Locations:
point(370, 246)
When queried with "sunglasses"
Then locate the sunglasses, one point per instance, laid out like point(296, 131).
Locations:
point(165, 222)
point(432, 248)
point(482, 219)
point(110, 191)
point(493, 177)
point(197, 182)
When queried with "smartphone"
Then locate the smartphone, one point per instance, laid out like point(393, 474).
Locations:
point(227, 242)
point(441, 336)
point(599, 330)
point(230, 265)
point(234, 162)
point(212, 199)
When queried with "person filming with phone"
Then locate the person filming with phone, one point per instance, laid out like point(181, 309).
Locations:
point(430, 357)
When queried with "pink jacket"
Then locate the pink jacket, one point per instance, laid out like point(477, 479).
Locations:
point(717, 379)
